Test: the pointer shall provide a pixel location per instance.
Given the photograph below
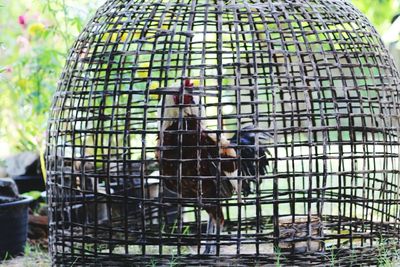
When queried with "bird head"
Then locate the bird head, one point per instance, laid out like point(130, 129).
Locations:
point(185, 100)
point(247, 136)
point(187, 97)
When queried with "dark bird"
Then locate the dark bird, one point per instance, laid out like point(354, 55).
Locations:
point(187, 147)
point(246, 149)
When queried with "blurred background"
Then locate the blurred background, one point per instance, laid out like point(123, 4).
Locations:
point(34, 41)
point(35, 37)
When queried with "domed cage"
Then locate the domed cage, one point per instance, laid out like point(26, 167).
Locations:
point(225, 132)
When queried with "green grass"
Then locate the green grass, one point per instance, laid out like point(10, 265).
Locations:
point(34, 256)
point(389, 255)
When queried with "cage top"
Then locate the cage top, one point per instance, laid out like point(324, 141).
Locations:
point(147, 45)
point(278, 64)
point(279, 56)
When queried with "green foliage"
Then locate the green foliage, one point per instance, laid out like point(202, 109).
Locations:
point(35, 39)
point(35, 195)
point(379, 12)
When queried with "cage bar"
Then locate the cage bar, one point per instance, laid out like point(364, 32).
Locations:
point(158, 99)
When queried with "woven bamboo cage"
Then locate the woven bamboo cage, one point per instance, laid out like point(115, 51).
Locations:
point(311, 75)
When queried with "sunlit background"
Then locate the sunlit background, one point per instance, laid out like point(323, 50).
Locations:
point(35, 36)
point(34, 41)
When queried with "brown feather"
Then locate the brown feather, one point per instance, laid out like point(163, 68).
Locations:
point(200, 156)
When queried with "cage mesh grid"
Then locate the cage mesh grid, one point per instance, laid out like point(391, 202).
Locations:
point(311, 76)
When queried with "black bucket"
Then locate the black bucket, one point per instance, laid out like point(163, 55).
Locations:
point(13, 227)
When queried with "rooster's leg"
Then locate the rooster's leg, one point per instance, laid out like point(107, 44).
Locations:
point(210, 248)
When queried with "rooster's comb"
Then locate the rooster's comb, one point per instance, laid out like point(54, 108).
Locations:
point(188, 83)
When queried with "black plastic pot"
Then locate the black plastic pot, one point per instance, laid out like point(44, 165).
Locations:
point(81, 208)
point(170, 213)
point(28, 183)
point(13, 226)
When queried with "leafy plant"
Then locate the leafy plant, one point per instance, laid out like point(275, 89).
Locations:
point(35, 40)
point(35, 195)
point(388, 253)
point(379, 12)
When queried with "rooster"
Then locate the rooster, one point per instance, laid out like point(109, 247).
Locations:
point(186, 145)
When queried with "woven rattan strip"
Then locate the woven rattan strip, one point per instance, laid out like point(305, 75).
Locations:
point(214, 132)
